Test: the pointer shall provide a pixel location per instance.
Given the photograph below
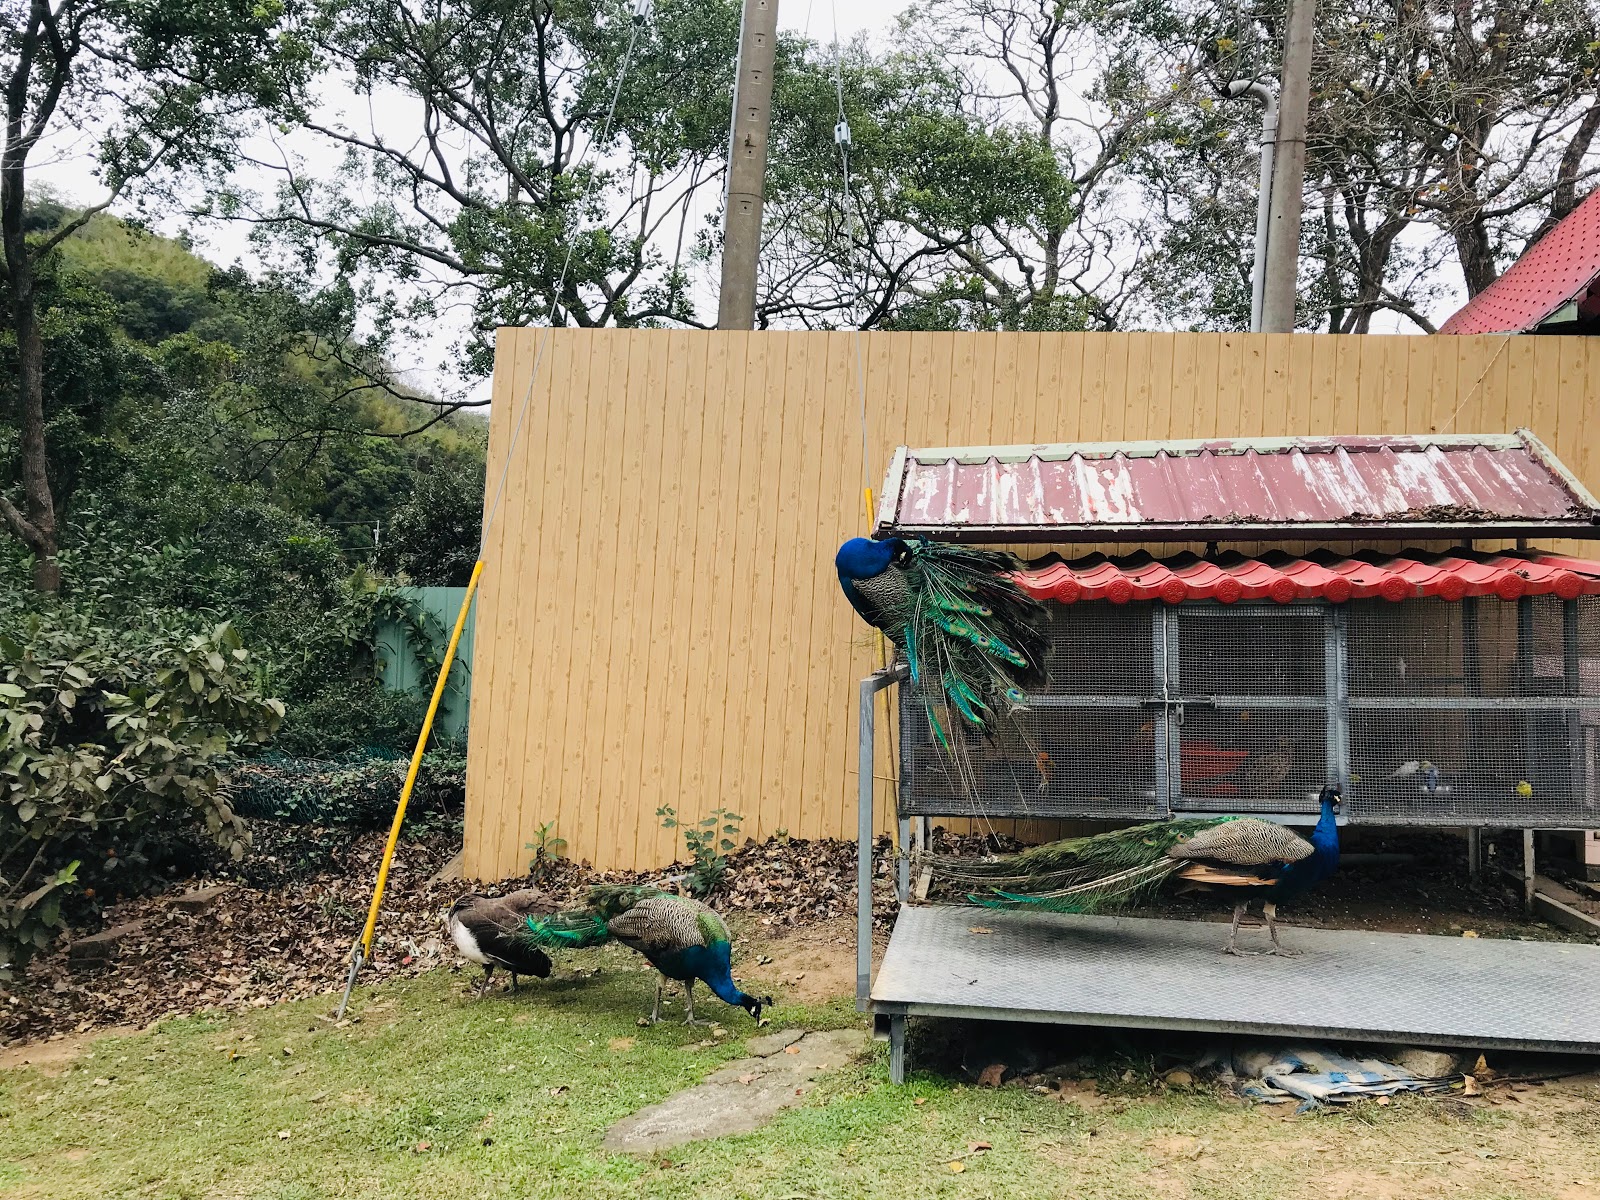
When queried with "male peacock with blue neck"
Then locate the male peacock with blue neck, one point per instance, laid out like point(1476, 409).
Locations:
point(682, 939)
point(969, 635)
point(1248, 858)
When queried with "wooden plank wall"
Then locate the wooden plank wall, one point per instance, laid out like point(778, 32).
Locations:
point(659, 623)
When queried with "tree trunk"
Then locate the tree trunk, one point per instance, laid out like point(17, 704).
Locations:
point(39, 534)
point(35, 525)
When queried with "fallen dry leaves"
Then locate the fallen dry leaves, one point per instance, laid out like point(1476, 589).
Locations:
point(283, 928)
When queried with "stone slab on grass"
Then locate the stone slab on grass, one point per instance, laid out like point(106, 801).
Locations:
point(741, 1096)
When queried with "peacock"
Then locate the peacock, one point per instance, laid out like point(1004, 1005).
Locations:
point(969, 635)
point(682, 938)
point(1246, 857)
point(484, 930)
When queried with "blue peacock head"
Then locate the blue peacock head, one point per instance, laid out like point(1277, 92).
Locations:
point(867, 558)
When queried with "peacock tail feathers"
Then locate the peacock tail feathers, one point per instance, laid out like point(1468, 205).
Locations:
point(1091, 895)
point(1056, 865)
point(574, 930)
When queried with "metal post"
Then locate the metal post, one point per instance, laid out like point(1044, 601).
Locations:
point(1288, 172)
point(1336, 666)
point(1577, 781)
point(897, 1049)
point(902, 873)
point(1268, 99)
point(1169, 775)
point(864, 734)
point(1475, 855)
point(1525, 682)
point(1529, 869)
point(747, 164)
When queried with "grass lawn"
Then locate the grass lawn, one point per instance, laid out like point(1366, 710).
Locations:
point(436, 1094)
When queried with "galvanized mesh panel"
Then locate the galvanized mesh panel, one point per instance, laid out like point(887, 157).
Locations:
point(1491, 766)
point(1251, 650)
point(1470, 648)
point(1075, 762)
point(1100, 649)
point(1086, 748)
point(1501, 697)
point(1250, 759)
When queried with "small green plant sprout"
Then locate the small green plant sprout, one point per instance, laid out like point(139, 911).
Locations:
point(547, 851)
point(708, 842)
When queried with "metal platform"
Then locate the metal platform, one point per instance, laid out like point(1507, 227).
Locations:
point(1126, 972)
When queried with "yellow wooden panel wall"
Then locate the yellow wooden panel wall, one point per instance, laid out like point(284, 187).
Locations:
point(659, 624)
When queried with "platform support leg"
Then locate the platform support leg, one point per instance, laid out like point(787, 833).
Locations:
point(903, 866)
point(1475, 855)
point(897, 1049)
point(1529, 868)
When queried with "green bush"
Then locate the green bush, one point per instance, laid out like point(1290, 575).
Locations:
point(100, 740)
point(355, 789)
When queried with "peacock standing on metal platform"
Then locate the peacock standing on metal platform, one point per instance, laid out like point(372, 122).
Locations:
point(969, 635)
point(1246, 857)
point(682, 938)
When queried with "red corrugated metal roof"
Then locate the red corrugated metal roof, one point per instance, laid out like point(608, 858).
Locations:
point(1492, 485)
point(1563, 265)
point(1283, 578)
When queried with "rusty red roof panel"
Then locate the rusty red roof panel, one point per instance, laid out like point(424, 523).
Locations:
point(1284, 578)
point(1507, 485)
point(1563, 265)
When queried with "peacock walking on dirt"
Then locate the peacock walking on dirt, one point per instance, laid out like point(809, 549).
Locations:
point(1245, 857)
point(682, 938)
point(969, 635)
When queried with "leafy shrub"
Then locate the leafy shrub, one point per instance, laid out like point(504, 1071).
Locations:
point(350, 716)
point(99, 740)
point(708, 842)
point(360, 790)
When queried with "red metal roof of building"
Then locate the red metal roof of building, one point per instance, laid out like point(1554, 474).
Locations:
point(1457, 486)
point(1562, 266)
point(1284, 578)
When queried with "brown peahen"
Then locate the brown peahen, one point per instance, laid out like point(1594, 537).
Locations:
point(484, 929)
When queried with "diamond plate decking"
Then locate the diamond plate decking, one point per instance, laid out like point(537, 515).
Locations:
point(1138, 973)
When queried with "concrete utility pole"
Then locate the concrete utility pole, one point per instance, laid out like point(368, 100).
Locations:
point(747, 164)
point(1288, 172)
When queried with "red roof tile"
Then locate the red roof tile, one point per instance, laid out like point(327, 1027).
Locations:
point(1563, 265)
point(1505, 485)
point(1323, 575)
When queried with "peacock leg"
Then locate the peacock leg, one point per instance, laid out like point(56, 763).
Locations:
point(1233, 933)
point(488, 974)
point(1270, 910)
point(655, 1013)
point(688, 993)
point(513, 982)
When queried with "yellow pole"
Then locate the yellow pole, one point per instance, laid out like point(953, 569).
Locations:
point(363, 948)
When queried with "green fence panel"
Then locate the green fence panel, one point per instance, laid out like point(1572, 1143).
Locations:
point(402, 671)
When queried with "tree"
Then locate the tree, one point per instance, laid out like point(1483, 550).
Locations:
point(1445, 136)
point(510, 174)
point(165, 87)
point(1087, 85)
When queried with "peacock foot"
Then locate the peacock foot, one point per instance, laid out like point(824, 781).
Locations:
point(697, 1021)
point(1230, 948)
point(1285, 952)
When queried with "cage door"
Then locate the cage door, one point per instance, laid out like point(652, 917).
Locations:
point(1249, 707)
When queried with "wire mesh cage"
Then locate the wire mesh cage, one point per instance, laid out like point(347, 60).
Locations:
point(1428, 712)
